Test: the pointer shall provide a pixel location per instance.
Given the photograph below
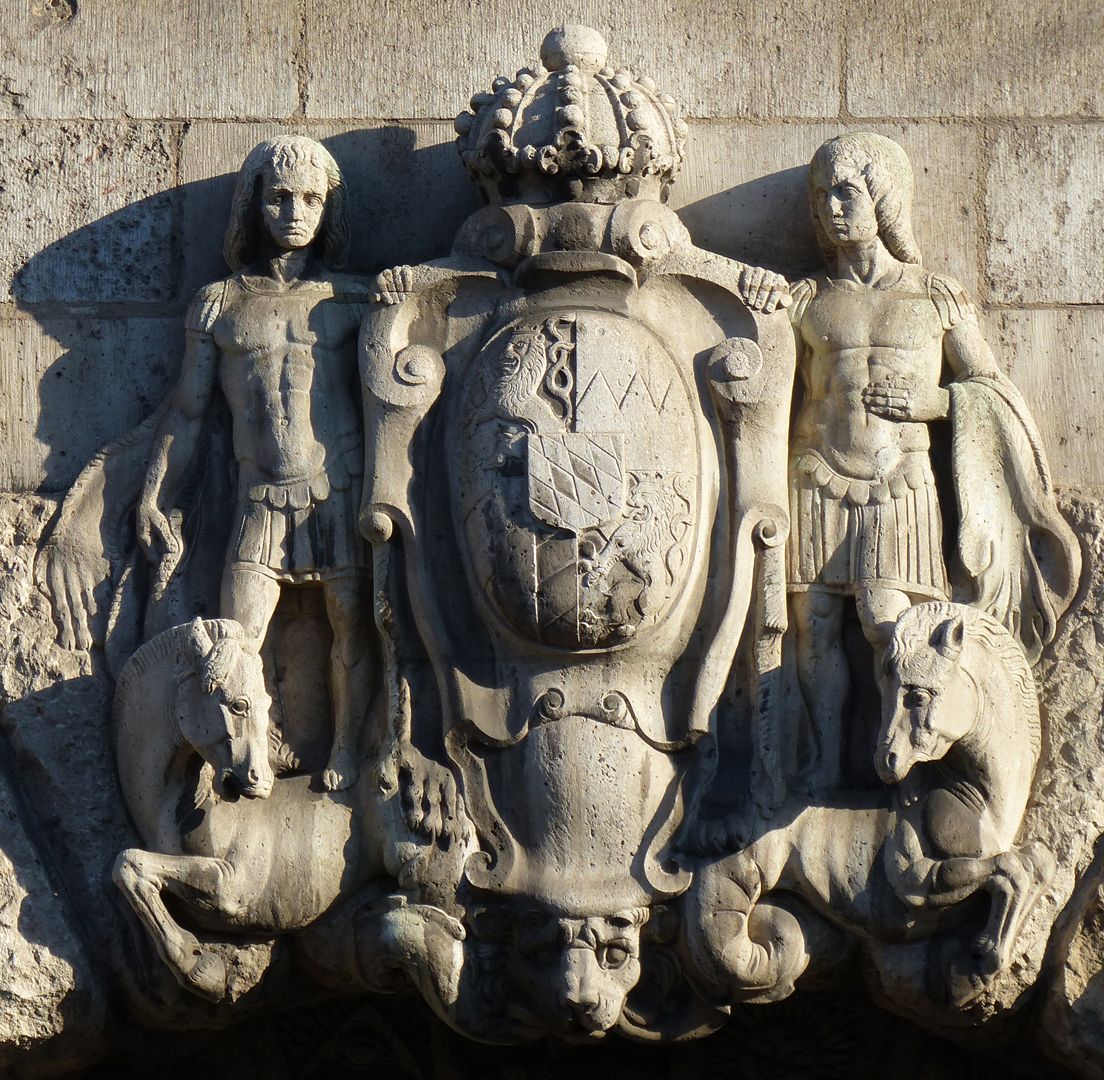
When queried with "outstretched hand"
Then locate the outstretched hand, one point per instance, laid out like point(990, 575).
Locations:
point(71, 574)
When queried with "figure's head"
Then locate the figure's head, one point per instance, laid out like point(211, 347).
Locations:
point(860, 188)
point(924, 712)
point(290, 195)
point(565, 975)
point(591, 965)
point(222, 709)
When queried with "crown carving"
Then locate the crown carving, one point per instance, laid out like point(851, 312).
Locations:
point(577, 130)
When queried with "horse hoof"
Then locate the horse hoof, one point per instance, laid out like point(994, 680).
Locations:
point(207, 976)
point(965, 987)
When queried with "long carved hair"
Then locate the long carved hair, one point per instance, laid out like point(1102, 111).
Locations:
point(885, 168)
point(240, 245)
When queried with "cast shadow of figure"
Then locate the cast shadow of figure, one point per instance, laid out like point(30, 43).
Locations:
point(120, 352)
point(764, 222)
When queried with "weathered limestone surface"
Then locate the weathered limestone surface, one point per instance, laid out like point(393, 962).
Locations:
point(115, 59)
point(1046, 215)
point(79, 382)
point(996, 58)
point(87, 212)
point(751, 80)
point(1055, 356)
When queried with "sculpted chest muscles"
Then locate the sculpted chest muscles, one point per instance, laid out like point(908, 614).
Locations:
point(288, 371)
point(855, 336)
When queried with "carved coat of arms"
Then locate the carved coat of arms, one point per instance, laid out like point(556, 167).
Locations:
point(575, 514)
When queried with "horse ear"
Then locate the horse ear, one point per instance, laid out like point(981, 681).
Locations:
point(950, 636)
point(200, 637)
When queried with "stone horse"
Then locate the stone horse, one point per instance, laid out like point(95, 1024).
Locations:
point(237, 847)
point(959, 741)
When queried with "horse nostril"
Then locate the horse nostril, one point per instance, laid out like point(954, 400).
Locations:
point(254, 776)
point(891, 762)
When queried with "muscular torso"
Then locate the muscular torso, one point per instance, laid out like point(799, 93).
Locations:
point(851, 336)
point(288, 370)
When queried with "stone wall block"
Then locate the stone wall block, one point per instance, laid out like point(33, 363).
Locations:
point(1055, 358)
point(1002, 58)
point(1046, 215)
point(86, 211)
point(743, 193)
point(68, 385)
point(715, 60)
point(142, 58)
point(407, 189)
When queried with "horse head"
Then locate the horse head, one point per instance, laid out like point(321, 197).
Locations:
point(926, 707)
point(222, 709)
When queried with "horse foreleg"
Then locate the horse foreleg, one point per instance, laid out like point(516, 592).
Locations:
point(1013, 880)
point(1019, 877)
point(143, 876)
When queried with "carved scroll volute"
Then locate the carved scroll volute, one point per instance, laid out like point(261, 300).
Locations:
point(401, 373)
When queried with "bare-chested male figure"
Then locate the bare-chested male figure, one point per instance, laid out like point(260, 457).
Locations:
point(278, 339)
point(875, 335)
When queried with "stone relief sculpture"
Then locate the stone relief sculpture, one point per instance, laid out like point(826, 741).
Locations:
point(958, 747)
point(584, 508)
point(277, 339)
point(561, 419)
point(874, 334)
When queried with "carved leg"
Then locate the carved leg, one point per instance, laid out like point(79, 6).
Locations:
point(348, 601)
point(825, 680)
point(250, 597)
point(1013, 879)
point(879, 610)
point(142, 876)
point(1018, 879)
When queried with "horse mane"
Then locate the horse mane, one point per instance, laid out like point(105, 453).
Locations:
point(173, 646)
point(997, 642)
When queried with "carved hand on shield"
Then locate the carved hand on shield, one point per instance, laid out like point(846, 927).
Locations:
point(161, 537)
point(763, 290)
point(892, 399)
point(395, 285)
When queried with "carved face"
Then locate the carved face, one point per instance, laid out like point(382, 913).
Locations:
point(922, 714)
point(581, 971)
point(292, 204)
point(225, 718)
point(842, 200)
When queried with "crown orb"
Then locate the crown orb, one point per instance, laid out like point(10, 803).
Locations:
point(574, 44)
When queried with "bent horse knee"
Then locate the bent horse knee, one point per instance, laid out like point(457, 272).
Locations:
point(127, 871)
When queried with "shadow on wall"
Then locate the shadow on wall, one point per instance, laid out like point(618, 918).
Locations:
point(765, 222)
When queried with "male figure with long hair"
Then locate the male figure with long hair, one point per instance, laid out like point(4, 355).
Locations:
point(885, 349)
point(278, 339)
